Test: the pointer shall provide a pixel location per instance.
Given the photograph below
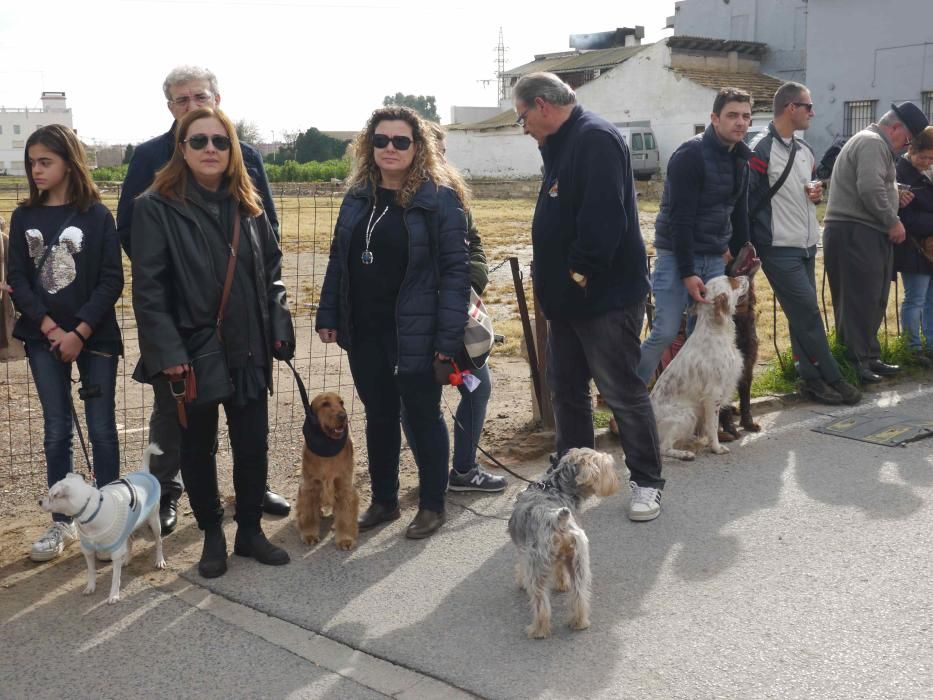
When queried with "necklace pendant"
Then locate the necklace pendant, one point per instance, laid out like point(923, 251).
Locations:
point(367, 257)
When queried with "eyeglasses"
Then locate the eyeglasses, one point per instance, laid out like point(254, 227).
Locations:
point(201, 98)
point(402, 143)
point(199, 141)
point(523, 116)
point(808, 105)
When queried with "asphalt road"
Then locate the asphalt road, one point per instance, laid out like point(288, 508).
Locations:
point(798, 566)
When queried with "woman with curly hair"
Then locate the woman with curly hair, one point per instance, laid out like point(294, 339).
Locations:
point(395, 297)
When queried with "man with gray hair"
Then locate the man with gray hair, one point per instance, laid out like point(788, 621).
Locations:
point(861, 228)
point(590, 275)
point(186, 89)
point(782, 199)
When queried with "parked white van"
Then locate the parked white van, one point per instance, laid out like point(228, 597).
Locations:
point(646, 161)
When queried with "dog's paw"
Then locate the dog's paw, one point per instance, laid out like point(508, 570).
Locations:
point(726, 437)
point(751, 426)
point(345, 543)
point(310, 537)
point(538, 631)
point(160, 563)
point(90, 588)
point(113, 599)
point(579, 623)
point(720, 449)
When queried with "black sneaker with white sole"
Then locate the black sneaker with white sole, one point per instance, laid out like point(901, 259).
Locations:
point(476, 480)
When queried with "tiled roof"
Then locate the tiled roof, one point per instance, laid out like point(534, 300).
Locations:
point(706, 44)
point(506, 118)
point(576, 60)
point(762, 87)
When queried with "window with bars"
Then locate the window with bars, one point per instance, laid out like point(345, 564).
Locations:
point(927, 100)
point(858, 115)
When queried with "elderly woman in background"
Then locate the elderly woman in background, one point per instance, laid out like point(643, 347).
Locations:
point(395, 297)
point(200, 237)
point(916, 271)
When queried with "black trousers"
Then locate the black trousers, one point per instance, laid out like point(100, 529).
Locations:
point(372, 363)
point(859, 262)
point(249, 432)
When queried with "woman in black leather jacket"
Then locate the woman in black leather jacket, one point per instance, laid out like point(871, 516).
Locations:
point(395, 298)
point(183, 234)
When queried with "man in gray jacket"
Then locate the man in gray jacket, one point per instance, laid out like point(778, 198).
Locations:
point(782, 199)
point(861, 226)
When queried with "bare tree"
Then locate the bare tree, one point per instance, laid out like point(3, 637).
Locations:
point(247, 132)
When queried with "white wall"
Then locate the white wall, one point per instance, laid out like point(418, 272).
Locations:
point(28, 120)
point(497, 153)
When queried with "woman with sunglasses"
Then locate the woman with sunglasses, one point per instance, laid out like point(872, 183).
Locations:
point(184, 236)
point(395, 297)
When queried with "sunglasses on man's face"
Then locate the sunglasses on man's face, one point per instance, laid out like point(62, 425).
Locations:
point(199, 141)
point(402, 143)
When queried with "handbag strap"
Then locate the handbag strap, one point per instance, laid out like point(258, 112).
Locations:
point(780, 181)
point(231, 268)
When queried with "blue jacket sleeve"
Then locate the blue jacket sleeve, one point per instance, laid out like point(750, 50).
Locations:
point(740, 229)
point(684, 175)
point(110, 280)
point(599, 202)
point(21, 273)
point(139, 175)
point(257, 171)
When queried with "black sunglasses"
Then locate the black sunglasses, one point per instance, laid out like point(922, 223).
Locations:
point(199, 141)
point(807, 105)
point(402, 143)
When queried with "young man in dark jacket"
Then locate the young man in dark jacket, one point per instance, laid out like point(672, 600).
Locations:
point(591, 277)
point(703, 208)
point(186, 88)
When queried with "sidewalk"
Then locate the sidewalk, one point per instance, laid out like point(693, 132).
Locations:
point(798, 566)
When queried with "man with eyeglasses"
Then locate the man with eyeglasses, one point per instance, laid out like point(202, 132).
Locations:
point(782, 199)
point(861, 229)
point(590, 275)
point(186, 88)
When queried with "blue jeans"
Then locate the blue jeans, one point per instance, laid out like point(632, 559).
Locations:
point(917, 309)
point(53, 384)
point(604, 349)
point(670, 300)
point(470, 417)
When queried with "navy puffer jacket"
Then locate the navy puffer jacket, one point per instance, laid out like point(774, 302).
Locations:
point(705, 200)
point(432, 304)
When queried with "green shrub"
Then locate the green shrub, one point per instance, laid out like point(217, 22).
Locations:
point(114, 174)
point(315, 171)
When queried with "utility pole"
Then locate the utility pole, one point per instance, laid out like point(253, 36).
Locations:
point(500, 69)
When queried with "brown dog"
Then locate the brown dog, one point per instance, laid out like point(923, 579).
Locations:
point(327, 473)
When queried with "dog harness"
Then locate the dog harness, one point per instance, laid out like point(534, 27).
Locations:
point(130, 510)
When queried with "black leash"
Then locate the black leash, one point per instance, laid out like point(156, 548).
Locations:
point(77, 424)
point(303, 392)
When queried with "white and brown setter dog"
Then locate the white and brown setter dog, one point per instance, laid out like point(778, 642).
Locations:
point(703, 376)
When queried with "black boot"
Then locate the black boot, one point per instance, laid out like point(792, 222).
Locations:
point(274, 504)
point(251, 542)
point(214, 555)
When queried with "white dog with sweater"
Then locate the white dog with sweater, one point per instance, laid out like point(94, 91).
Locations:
point(106, 517)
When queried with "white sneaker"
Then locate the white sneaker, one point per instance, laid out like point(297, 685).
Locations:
point(53, 542)
point(646, 503)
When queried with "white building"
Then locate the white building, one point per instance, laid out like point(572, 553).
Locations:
point(17, 124)
point(670, 84)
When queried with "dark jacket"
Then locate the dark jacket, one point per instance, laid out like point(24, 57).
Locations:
point(586, 221)
point(433, 299)
point(95, 285)
point(704, 208)
point(177, 287)
point(917, 218)
point(150, 156)
point(479, 267)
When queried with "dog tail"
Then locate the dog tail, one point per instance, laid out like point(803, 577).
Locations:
point(152, 449)
point(563, 519)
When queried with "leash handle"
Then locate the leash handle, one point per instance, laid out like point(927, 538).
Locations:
point(301, 388)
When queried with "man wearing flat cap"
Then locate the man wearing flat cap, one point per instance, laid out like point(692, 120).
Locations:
point(861, 230)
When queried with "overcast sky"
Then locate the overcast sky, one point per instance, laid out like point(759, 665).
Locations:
point(283, 64)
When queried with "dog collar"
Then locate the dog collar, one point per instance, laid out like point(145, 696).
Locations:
point(319, 443)
point(100, 502)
